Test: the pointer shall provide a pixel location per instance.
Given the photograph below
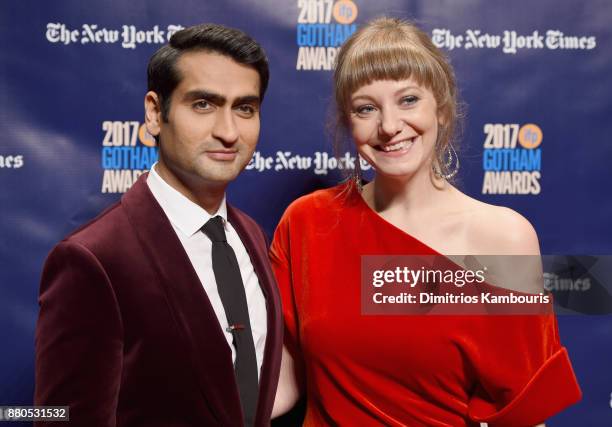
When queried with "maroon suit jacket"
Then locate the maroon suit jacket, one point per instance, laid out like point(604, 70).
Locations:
point(126, 335)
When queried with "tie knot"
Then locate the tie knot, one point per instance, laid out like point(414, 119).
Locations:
point(214, 229)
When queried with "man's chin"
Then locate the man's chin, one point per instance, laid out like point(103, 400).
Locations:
point(221, 173)
point(219, 179)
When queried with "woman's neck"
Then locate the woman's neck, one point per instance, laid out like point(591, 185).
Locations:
point(419, 193)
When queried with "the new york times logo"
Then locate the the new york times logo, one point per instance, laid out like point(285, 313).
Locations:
point(554, 282)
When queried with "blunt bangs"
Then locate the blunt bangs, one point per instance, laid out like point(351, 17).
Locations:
point(398, 63)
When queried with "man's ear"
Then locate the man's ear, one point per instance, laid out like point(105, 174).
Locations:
point(153, 117)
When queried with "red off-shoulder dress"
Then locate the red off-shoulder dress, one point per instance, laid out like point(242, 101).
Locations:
point(402, 370)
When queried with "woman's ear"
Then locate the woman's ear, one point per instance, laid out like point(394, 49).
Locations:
point(442, 117)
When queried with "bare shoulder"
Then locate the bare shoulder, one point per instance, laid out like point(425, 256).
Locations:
point(497, 230)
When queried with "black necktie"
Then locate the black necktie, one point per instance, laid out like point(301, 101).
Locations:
point(233, 297)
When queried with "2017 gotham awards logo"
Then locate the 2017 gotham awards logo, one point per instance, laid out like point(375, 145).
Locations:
point(128, 151)
point(318, 38)
point(511, 168)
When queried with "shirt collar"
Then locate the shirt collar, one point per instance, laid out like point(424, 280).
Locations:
point(187, 216)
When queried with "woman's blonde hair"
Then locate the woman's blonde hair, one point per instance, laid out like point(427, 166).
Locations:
point(394, 49)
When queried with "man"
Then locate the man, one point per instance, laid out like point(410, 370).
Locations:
point(163, 310)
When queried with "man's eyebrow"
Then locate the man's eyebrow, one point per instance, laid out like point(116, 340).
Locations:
point(214, 98)
point(248, 99)
point(217, 99)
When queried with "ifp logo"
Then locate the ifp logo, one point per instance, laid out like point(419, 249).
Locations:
point(345, 11)
point(530, 136)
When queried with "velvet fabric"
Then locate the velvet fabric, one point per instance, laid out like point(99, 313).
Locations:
point(410, 370)
point(126, 335)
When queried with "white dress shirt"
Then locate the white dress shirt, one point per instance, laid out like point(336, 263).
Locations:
point(187, 219)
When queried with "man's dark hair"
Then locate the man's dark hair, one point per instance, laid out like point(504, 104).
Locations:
point(163, 76)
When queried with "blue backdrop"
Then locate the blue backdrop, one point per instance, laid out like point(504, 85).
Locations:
point(536, 78)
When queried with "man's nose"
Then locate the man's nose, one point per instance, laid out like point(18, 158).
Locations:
point(225, 128)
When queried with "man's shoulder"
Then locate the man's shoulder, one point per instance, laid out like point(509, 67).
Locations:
point(107, 229)
point(103, 218)
point(110, 225)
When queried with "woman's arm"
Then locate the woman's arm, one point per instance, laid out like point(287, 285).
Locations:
point(288, 391)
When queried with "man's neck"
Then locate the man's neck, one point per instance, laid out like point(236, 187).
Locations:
point(208, 197)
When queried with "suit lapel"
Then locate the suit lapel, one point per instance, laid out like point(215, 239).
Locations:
point(191, 308)
point(255, 243)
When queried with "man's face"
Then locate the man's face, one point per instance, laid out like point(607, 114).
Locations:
point(213, 122)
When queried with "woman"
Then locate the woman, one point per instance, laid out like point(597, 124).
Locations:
point(396, 95)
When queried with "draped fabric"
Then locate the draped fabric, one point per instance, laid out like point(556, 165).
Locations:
point(402, 370)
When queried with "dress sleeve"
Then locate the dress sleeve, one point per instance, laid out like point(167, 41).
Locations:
point(523, 374)
point(281, 264)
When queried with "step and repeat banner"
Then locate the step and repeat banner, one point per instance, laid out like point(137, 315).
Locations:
point(536, 79)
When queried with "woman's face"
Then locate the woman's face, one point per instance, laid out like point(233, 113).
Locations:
point(395, 125)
